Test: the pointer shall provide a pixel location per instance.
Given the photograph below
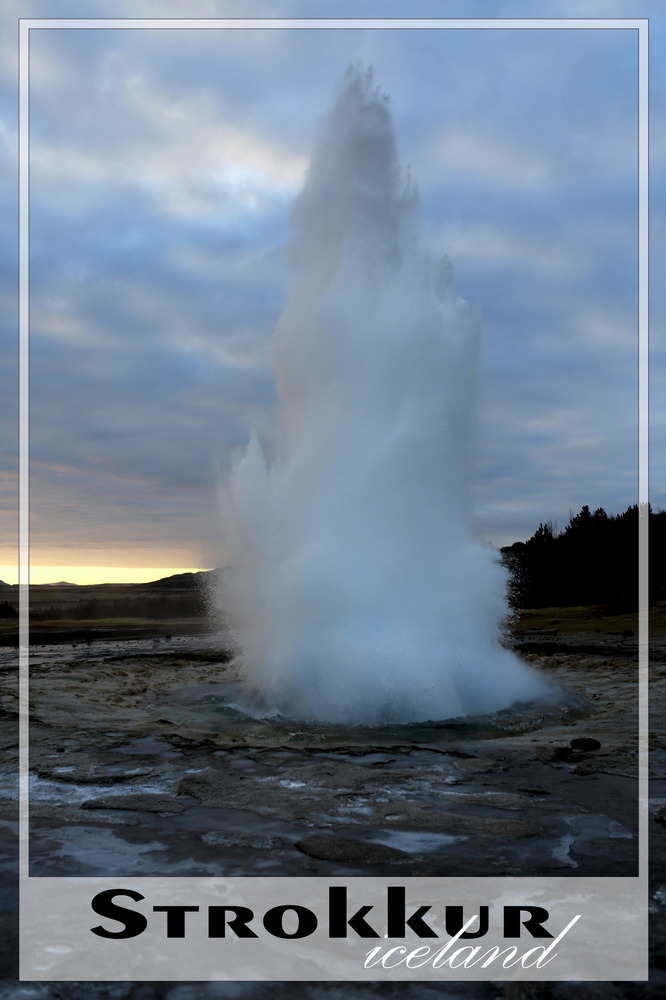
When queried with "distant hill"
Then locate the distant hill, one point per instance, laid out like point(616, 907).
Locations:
point(182, 580)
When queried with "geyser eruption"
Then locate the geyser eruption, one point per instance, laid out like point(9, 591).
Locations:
point(357, 594)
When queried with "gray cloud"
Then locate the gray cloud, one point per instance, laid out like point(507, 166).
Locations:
point(163, 168)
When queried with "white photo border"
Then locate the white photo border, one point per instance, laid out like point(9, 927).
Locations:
point(43, 962)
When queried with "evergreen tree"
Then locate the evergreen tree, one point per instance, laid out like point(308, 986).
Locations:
point(594, 561)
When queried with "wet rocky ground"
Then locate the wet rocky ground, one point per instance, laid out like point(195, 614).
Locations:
point(163, 770)
point(146, 759)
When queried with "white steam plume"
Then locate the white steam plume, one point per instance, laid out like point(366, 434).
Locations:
point(357, 593)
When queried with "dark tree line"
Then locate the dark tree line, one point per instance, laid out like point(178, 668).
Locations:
point(593, 561)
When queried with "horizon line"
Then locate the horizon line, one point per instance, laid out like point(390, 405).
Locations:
point(81, 576)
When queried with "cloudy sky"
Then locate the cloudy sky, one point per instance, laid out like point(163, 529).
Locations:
point(163, 167)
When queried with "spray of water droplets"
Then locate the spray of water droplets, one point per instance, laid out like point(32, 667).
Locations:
point(356, 593)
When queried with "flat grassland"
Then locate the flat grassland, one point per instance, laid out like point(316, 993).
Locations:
point(185, 605)
point(113, 610)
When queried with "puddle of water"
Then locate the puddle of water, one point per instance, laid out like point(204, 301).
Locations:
point(69, 793)
point(98, 848)
point(413, 842)
point(561, 851)
point(149, 746)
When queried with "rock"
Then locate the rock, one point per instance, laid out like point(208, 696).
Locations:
point(139, 802)
point(476, 765)
point(64, 815)
point(492, 799)
point(80, 772)
point(219, 838)
point(496, 826)
point(609, 763)
point(584, 743)
point(329, 847)
point(564, 753)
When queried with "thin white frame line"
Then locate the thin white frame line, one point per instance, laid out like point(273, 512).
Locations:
point(643, 447)
point(24, 442)
point(231, 23)
point(641, 25)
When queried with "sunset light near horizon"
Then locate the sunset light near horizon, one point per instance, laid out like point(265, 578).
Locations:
point(89, 575)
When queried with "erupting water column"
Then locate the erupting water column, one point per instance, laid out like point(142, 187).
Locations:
point(357, 594)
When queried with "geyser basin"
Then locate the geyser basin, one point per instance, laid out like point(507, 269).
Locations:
point(356, 592)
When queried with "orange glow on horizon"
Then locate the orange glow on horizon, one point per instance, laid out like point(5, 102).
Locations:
point(87, 575)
